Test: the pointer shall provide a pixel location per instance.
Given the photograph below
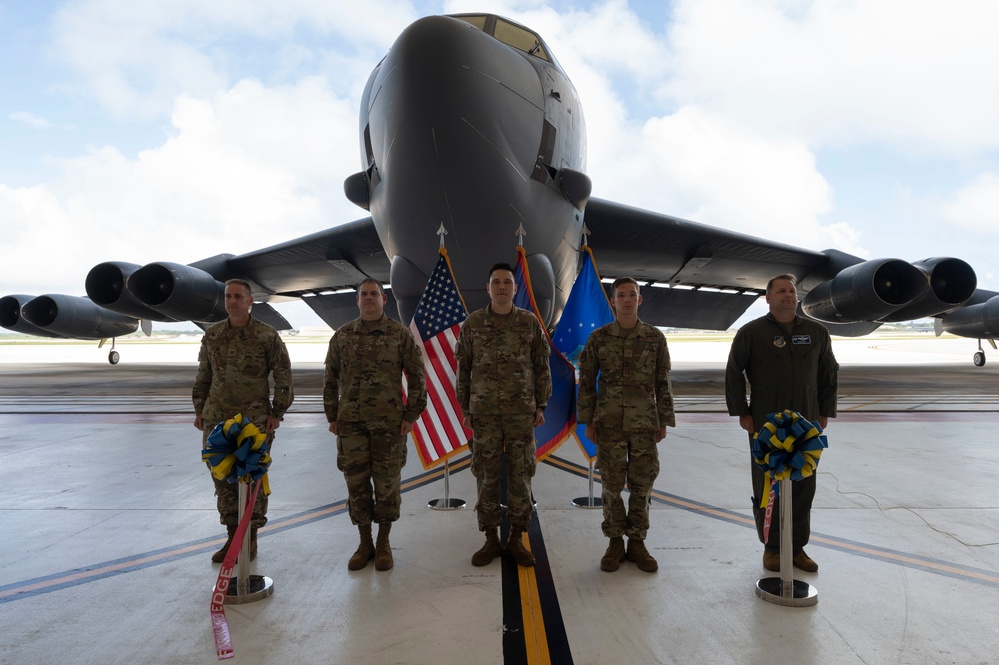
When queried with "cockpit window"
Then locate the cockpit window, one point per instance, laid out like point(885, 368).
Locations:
point(478, 20)
point(509, 33)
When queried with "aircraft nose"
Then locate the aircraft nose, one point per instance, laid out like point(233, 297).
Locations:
point(454, 124)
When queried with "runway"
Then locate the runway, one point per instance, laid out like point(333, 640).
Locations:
point(110, 521)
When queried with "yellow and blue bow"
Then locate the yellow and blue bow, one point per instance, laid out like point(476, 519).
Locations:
point(237, 451)
point(787, 447)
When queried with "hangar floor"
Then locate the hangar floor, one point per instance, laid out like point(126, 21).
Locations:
point(109, 523)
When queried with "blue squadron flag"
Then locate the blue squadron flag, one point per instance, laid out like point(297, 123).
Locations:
point(586, 309)
point(560, 416)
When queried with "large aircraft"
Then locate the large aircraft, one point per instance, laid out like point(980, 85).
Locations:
point(470, 126)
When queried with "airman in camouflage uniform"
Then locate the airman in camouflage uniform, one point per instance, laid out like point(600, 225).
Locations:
point(789, 364)
point(626, 402)
point(503, 386)
point(362, 396)
point(236, 360)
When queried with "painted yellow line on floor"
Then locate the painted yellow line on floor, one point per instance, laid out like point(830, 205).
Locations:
point(535, 636)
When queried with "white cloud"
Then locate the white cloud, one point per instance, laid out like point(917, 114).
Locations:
point(248, 168)
point(837, 72)
point(135, 58)
point(975, 207)
point(31, 120)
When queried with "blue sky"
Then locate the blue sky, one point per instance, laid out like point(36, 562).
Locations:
point(180, 130)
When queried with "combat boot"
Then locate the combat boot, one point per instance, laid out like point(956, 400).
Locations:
point(640, 556)
point(490, 550)
point(253, 543)
point(219, 556)
point(383, 551)
point(365, 550)
point(614, 555)
point(515, 548)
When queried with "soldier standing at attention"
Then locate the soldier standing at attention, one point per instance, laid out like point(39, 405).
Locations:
point(626, 416)
point(362, 396)
point(503, 386)
point(236, 360)
point(789, 364)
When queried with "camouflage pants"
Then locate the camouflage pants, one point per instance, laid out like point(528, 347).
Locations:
point(633, 457)
point(227, 498)
point(493, 436)
point(371, 461)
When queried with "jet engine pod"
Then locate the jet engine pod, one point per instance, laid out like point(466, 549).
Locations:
point(952, 282)
point(178, 291)
point(866, 291)
point(72, 316)
point(981, 320)
point(106, 287)
point(11, 319)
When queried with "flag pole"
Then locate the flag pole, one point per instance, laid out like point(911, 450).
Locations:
point(446, 503)
point(588, 501)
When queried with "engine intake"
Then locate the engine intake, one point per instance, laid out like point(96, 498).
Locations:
point(952, 282)
point(106, 287)
point(867, 291)
point(181, 292)
point(11, 319)
point(72, 316)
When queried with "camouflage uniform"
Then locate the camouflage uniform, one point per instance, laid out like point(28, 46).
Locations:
point(234, 366)
point(793, 370)
point(362, 392)
point(633, 402)
point(503, 379)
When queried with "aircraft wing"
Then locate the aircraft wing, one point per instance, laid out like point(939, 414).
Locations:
point(314, 266)
point(709, 276)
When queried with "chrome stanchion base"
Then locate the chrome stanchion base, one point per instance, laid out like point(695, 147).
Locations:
point(445, 504)
point(802, 594)
point(588, 502)
point(258, 587)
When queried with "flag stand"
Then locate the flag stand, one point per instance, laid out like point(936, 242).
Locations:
point(447, 503)
point(588, 501)
point(248, 588)
point(785, 590)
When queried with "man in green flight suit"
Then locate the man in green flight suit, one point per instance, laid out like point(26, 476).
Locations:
point(789, 364)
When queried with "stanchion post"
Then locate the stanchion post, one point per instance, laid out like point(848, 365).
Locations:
point(785, 590)
point(248, 588)
point(588, 501)
point(447, 503)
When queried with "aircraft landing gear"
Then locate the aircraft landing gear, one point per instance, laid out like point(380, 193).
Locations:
point(113, 356)
point(979, 357)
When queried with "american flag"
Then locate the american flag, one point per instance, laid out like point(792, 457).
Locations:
point(439, 433)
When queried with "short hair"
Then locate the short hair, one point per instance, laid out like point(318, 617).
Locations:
point(624, 280)
point(242, 282)
point(501, 266)
point(790, 278)
point(371, 280)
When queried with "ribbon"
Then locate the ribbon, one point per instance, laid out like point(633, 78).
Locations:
point(787, 447)
point(237, 451)
point(220, 626)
